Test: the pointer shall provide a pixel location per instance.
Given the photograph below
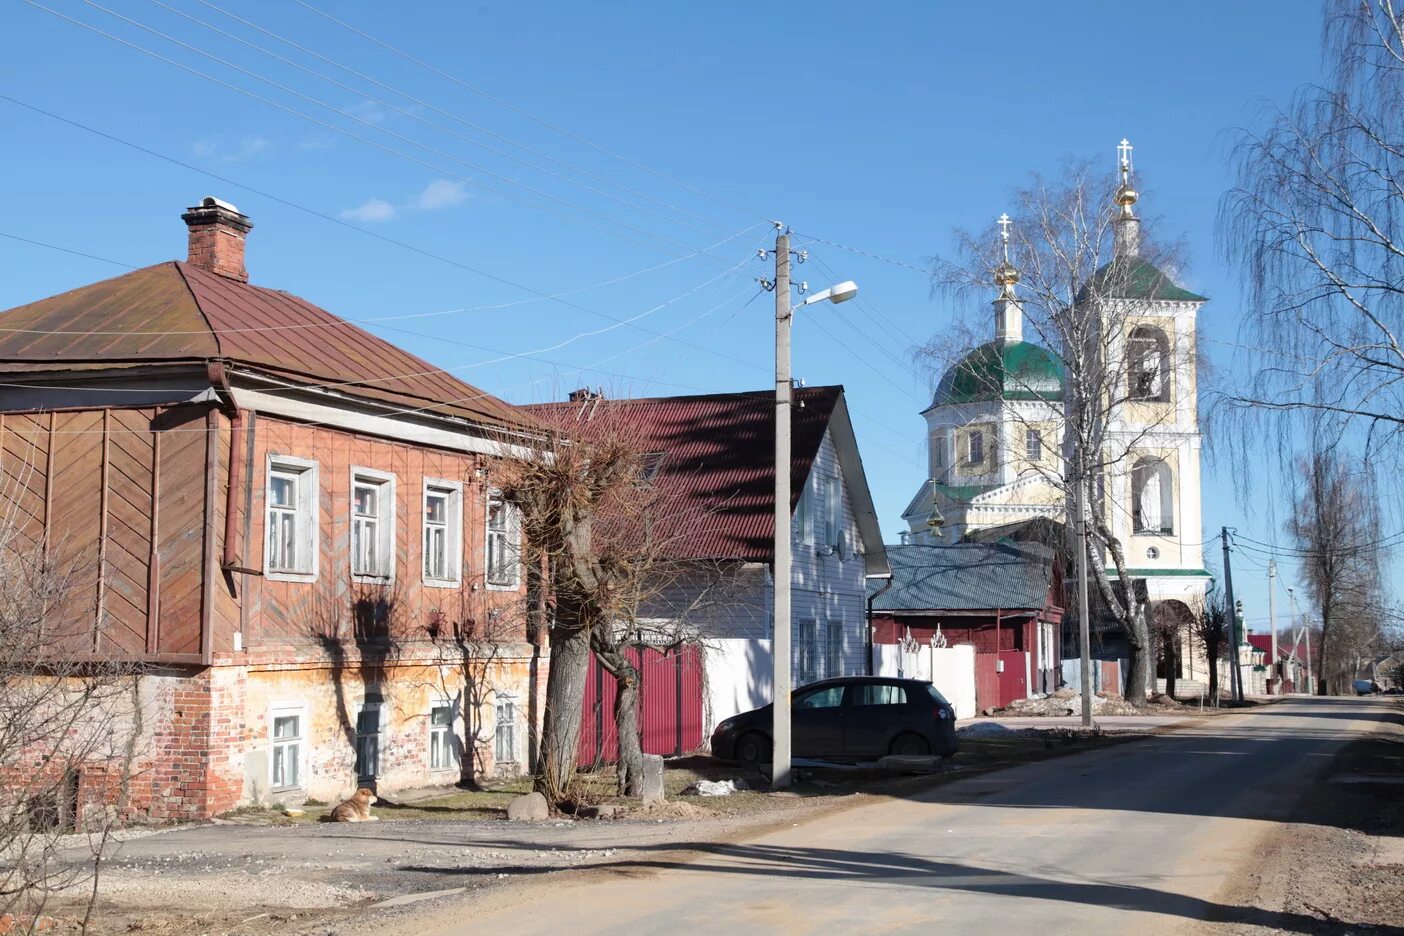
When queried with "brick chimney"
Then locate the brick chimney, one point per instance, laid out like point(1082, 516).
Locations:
point(217, 232)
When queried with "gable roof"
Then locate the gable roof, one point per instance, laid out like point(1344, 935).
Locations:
point(174, 313)
point(720, 458)
point(966, 577)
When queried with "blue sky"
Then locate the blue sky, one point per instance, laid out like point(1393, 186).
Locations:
point(877, 126)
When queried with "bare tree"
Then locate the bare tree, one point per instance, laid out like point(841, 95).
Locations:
point(602, 534)
point(1314, 222)
point(1337, 531)
point(1075, 273)
point(1210, 629)
point(70, 721)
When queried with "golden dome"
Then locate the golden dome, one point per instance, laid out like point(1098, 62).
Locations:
point(1005, 274)
point(1126, 196)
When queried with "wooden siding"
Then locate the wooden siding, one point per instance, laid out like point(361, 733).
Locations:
point(128, 553)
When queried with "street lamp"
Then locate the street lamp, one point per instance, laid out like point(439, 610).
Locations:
point(780, 645)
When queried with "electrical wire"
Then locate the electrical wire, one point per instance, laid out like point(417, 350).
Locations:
point(338, 221)
point(527, 114)
point(651, 243)
point(427, 106)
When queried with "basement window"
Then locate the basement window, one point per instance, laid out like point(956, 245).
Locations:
point(442, 753)
point(504, 749)
point(286, 740)
point(290, 552)
point(372, 525)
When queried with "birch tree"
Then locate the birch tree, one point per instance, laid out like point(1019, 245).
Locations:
point(1313, 222)
point(1073, 264)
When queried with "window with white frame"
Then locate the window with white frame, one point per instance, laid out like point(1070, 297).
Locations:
point(443, 533)
point(504, 567)
point(808, 646)
point(372, 524)
point(804, 515)
point(286, 739)
point(1033, 445)
point(291, 519)
point(443, 754)
point(834, 663)
point(368, 740)
point(975, 444)
point(504, 747)
point(833, 512)
point(938, 450)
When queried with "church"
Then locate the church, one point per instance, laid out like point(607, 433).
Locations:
point(995, 431)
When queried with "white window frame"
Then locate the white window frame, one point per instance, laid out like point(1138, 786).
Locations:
point(446, 734)
point(385, 524)
point(307, 518)
point(283, 710)
point(514, 532)
point(833, 513)
point(381, 710)
point(808, 646)
point(833, 650)
point(453, 533)
point(1033, 445)
point(804, 514)
point(971, 437)
point(500, 699)
point(938, 450)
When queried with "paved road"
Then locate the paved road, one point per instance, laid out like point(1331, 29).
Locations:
point(1131, 839)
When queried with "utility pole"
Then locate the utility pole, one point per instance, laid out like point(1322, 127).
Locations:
point(780, 645)
point(1083, 612)
point(1272, 623)
point(1235, 677)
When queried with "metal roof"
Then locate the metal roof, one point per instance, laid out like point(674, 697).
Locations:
point(173, 312)
point(721, 460)
point(1002, 370)
point(966, 577)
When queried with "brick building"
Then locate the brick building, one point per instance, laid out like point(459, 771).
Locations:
point(286, 523)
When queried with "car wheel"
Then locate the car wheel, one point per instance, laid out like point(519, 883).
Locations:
point(909, 744)
point(753, 748)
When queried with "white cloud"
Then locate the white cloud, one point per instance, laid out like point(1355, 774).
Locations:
point(373, 210)
point(366, 110)
point(441, 193)
point(246, 148)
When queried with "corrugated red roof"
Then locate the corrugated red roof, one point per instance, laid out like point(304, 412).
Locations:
point(720, 459)
point(175, 312)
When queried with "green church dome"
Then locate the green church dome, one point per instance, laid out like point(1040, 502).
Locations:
point(1002, 370)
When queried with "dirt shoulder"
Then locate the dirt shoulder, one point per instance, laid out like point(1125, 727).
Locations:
point(268, 872)
point(1341, 863)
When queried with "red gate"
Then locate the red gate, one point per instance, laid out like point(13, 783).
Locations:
point(1014, 681)
point(986, 682)
point(670, 706)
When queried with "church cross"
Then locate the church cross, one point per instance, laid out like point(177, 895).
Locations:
point(1123, 153)
point(1004, 223)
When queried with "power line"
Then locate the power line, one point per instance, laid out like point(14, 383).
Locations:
point(469, 180)
point(856, 250)
point(340, 321)
point(405, 112)
point(338, 221)
point(427, 105)
point(527, 114)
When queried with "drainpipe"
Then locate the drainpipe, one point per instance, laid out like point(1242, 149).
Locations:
point(871, 598)
point(231, 559)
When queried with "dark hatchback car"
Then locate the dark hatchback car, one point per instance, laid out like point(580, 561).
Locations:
point(855, 717)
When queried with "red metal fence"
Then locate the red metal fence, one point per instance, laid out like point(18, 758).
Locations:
point(986, 682)
point(670, 706)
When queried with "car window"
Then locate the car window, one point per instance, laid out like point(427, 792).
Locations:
point(828, 697)
point(880, 695)
point(936, 695)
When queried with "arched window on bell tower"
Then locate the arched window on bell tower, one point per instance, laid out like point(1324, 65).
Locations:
point(1152, 497)
point(1148, 357)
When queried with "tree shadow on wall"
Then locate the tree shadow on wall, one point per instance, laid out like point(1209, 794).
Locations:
point(354, 623)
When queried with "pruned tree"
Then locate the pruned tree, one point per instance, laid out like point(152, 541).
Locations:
point(1210, 629)
point(1313, 221)
point(1073, 274)
point(70, 722)
point(1336, 527)
point(603, 535)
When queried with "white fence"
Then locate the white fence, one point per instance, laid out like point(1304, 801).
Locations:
point(950, 669)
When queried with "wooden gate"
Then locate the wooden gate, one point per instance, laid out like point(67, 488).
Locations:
point(670, 706)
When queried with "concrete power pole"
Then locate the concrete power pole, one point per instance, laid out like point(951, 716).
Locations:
point(1272, 624)
point(1084, 627)
point(1235, 676)
point(780, 644)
